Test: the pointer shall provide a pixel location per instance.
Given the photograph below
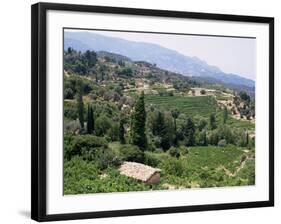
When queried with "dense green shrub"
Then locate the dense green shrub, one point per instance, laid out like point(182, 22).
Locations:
point(106, 157)
point(184, 150)
point(89, 141)
point(203, 91)
point(70, 110)
point(151, 160)
point(72, 126)
point(113, 132)
point(174, 152)
point(213, 137)
point(68, 93)
point(125, 72)
point(222, 143)
point(68, 146)
point(131, 153)
point(102, 125)
point(202, 124)
point(225, 132)
point(202, 138)
point(86, 144)
point(172, 166)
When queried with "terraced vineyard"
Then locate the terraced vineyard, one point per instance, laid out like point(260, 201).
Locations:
point(191, 106)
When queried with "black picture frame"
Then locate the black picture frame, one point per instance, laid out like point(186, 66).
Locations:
point(38, 110)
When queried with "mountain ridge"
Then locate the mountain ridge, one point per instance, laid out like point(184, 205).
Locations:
point(165, 58)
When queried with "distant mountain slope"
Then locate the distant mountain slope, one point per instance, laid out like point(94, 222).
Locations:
point(164, 58)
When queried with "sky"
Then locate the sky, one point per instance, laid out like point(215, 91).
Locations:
point(230, 54)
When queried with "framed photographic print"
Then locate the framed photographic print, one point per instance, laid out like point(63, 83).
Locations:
point(139, 111)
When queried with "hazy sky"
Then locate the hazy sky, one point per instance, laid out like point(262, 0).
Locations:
point(231, 55)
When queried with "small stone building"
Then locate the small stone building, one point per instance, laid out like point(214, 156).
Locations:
point(138, 171)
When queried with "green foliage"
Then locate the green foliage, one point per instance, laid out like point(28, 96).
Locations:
point(113, 132)
point(138, 119)
point(203, 91)
point(77, 145)
point(174, 152)
point(151, 160)
point(225, 132)
point(90, 120)
point(68, 93)
point(189, 132)
point(172, 166)
point(102, 125)
point(163, 130)
point(171, 120)
point(80, 104)
point(202, 124)
point(213, 124)
point(88, 142)
point(213, 137)
point(70, 110)
point(80, 63)
point(243, 139)
point(184, 151)
point(202, 138)
point(125, 72)
point(225, 114)
point(190, 106)
point(122, 132)
point(222, 143)
point(131, 153)
point(106, 157)
point(90, 57)
point(175, 114)
point(244, 96)
point(81, 177)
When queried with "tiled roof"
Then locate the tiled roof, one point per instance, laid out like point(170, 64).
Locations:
point(137, 170)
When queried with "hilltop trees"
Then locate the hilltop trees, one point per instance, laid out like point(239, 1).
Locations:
point(244, 96)
point(80, 63)
point(138, 118)
point(90, 58)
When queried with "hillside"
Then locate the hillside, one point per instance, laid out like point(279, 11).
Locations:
point(116, 110)
point(155, 54)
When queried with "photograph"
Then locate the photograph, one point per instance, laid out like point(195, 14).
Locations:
point(145, 111)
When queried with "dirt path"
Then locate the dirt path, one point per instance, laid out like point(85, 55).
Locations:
point(229, 173)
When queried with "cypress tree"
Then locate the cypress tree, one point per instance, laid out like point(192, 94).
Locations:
point(93, 119)
point(90, 120)
point(122, 132)
point(225, 114)
point(138, 136)
point(80, 104)
point(175, 114)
